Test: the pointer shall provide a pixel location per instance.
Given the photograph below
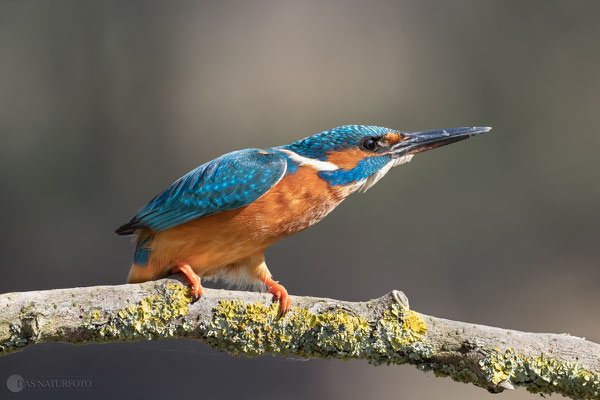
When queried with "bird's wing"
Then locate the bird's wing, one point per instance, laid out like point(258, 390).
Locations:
point(228, 182)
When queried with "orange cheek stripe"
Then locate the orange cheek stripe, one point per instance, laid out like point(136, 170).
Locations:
point(346, 159)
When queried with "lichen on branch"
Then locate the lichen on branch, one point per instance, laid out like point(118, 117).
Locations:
point(256, 329)
point(380, 331)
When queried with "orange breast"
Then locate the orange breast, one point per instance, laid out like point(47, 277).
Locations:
point(296, 202)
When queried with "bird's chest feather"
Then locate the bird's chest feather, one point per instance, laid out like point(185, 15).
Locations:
point(298, 201)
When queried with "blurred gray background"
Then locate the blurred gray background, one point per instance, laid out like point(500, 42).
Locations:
point(103, 104)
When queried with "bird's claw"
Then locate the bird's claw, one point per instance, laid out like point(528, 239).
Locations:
point(192, 280)
point(280, 295)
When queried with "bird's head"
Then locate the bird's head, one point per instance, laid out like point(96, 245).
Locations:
point(355, 157)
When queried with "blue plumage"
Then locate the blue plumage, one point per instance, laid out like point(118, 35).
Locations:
point(341, 138)
point(142, 252)
point(365, 168)
point(228, 182)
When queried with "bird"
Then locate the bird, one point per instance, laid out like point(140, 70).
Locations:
point(217, 220)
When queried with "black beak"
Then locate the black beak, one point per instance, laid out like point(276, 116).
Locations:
point(416, 142)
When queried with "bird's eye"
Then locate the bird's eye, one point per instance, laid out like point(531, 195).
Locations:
point(370, 144)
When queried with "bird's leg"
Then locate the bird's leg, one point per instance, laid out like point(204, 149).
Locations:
point(279, 292)
point(193, 279)
point(256, 267)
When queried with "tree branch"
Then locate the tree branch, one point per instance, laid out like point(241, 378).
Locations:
point(381, 331)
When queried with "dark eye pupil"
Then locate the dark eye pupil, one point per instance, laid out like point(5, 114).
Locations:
point(370, 144)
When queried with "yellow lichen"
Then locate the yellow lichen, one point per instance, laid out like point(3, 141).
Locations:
point(96, 315)
point(541, 374)
point(400, 336)
point(254, 329)
point(152, 317)
point(413, 323)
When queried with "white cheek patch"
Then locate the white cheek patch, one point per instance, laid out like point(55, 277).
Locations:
point(316, 164)
point(364, 185)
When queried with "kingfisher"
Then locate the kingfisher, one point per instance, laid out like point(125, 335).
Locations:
point(218, 219)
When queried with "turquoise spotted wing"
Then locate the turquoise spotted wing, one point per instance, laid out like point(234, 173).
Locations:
point(228, 182)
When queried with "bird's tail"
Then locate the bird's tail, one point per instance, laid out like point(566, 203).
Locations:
point(129, 228)
point(140, 270)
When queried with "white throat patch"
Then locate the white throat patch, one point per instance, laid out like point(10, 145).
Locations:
point(364, 185)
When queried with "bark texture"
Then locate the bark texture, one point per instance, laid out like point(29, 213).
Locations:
point(381, 331)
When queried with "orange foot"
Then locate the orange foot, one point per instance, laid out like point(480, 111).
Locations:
point(193, 279)
point(280, 294)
